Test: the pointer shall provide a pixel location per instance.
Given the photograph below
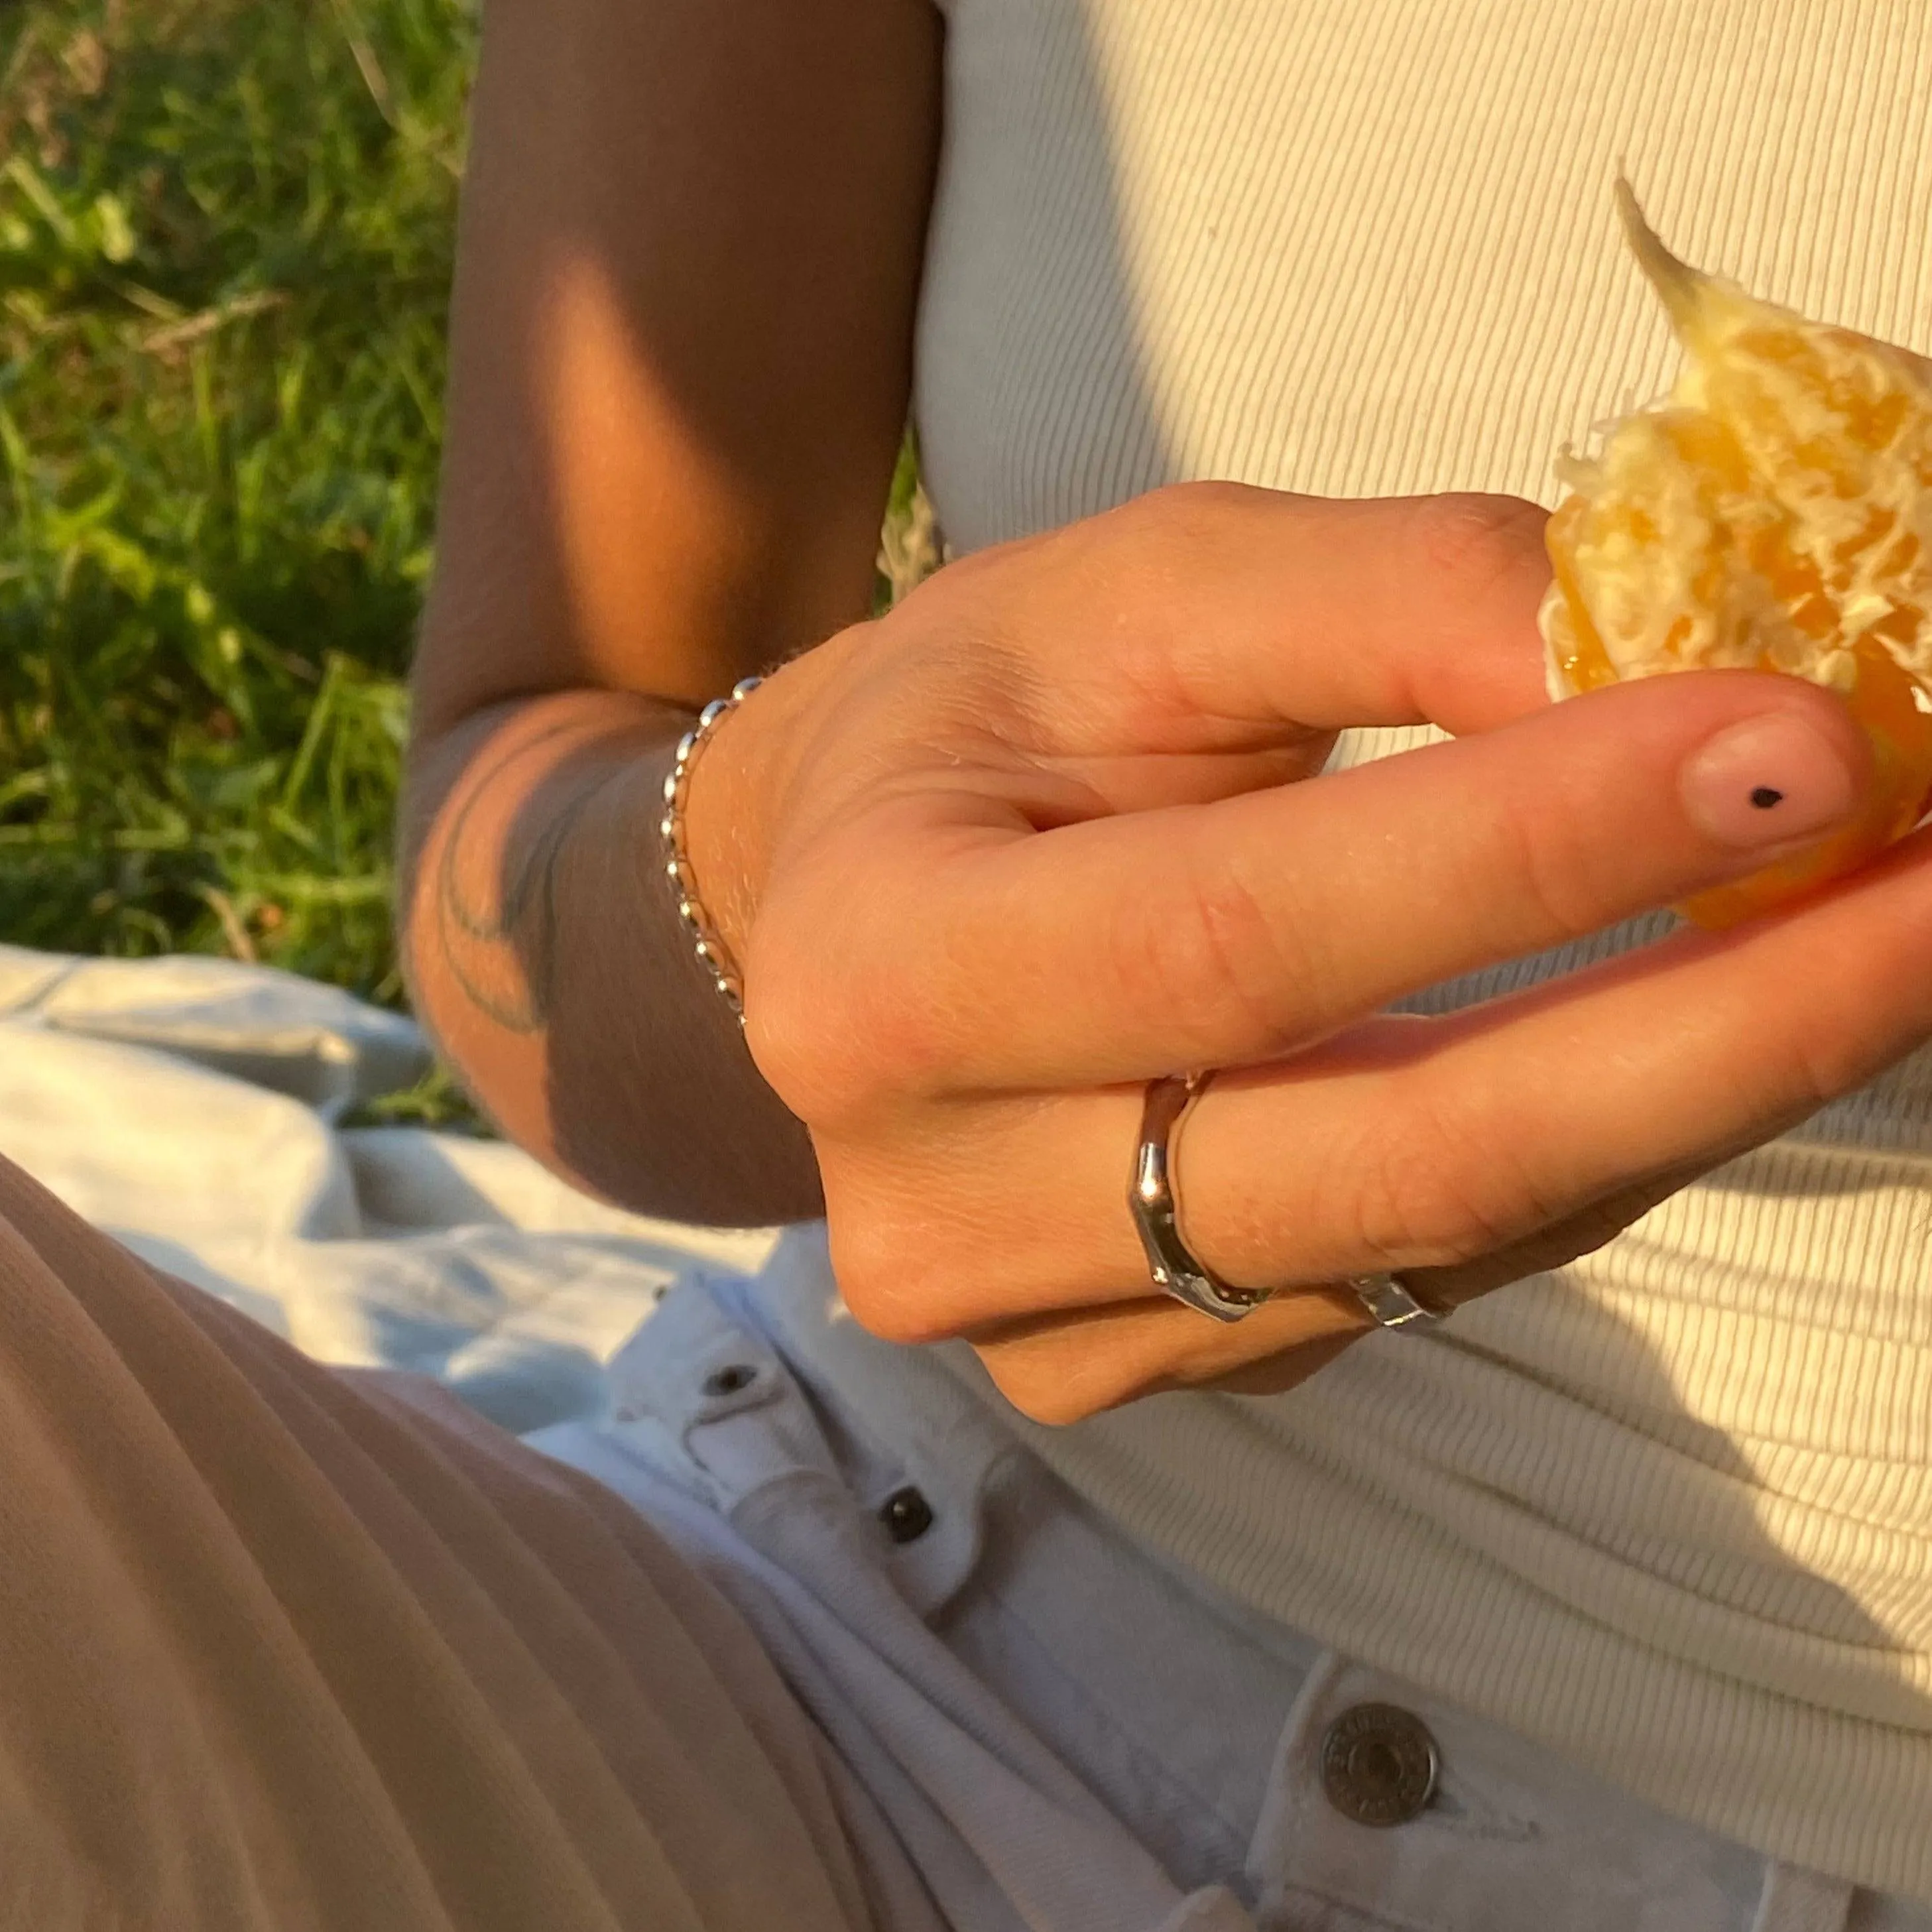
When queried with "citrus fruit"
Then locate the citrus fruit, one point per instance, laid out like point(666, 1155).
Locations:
point(1774, 512)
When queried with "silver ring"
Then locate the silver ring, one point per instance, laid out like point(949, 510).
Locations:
point(1178, 1271)
point(1393, 1305)
point(1175, 1268)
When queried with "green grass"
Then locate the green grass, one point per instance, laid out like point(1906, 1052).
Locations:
point(225, 238)
point(225, 232)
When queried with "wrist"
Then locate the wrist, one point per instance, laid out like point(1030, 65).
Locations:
point(733, 808)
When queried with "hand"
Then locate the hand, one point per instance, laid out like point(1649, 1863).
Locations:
point(1055, 827)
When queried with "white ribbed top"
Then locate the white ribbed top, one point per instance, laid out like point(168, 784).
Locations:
point(1669, 1509)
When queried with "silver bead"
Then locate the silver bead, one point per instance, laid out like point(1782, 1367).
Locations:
point(710, 953)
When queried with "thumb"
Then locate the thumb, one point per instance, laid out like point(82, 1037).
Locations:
point(1217, 616)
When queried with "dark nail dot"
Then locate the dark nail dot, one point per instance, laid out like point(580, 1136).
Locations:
point(730, 1379)
point(1764, 797)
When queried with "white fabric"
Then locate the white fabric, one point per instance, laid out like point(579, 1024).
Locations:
point(1197, 1726)
point(185, 1106)
point(1062, 1734)
point(121, 1091)
point(1362, 248)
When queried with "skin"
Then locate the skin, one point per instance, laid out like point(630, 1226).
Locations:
point(1055, 827)
point(680, 359)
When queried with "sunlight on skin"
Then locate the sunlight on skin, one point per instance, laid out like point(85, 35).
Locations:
point(646, 517)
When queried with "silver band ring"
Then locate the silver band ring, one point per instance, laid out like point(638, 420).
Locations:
point(1176, 1271)
point(1174, 1267)
point(1393, 1305)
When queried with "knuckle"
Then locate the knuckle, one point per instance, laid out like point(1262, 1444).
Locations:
point(1130, 574)
point(1818, 1068)
point(1476, 541)
point(791, 1034)
point(1054, 1401)
point(1213, 950)
point(1791, 1080)
point(1194, 505)
point(1439, 1190)
point(886, 1277)
point(835, 1032)
point(1552, 864)
point(1185, 526)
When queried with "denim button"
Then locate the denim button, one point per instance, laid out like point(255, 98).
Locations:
point(906, 1514)
point(1378, 1764)
point(730, 1379)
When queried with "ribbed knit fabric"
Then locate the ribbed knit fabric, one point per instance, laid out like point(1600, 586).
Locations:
point(283, 1650)
point(1669, 1509)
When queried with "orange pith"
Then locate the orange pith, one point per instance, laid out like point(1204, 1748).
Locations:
point(1773, 515)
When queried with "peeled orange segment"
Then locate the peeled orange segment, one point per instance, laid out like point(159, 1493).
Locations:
point(1773, 513)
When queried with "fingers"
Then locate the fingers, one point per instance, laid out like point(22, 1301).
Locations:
point(1197, 612)
point(1060, 1369)
point(1542, 1121)
point(1236, 930)
point(1581, 1232)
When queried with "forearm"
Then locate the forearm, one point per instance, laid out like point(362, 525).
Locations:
point(546, 957)
point(680, 356)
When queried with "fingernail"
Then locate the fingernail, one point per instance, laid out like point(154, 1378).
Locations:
point(1767, 781)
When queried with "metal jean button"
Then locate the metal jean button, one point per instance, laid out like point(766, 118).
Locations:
point(1378, 1764)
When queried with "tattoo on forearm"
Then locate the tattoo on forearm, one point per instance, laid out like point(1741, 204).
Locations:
point(501, 943)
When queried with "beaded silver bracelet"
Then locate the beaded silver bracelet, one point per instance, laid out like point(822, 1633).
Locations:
point(711, 955)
